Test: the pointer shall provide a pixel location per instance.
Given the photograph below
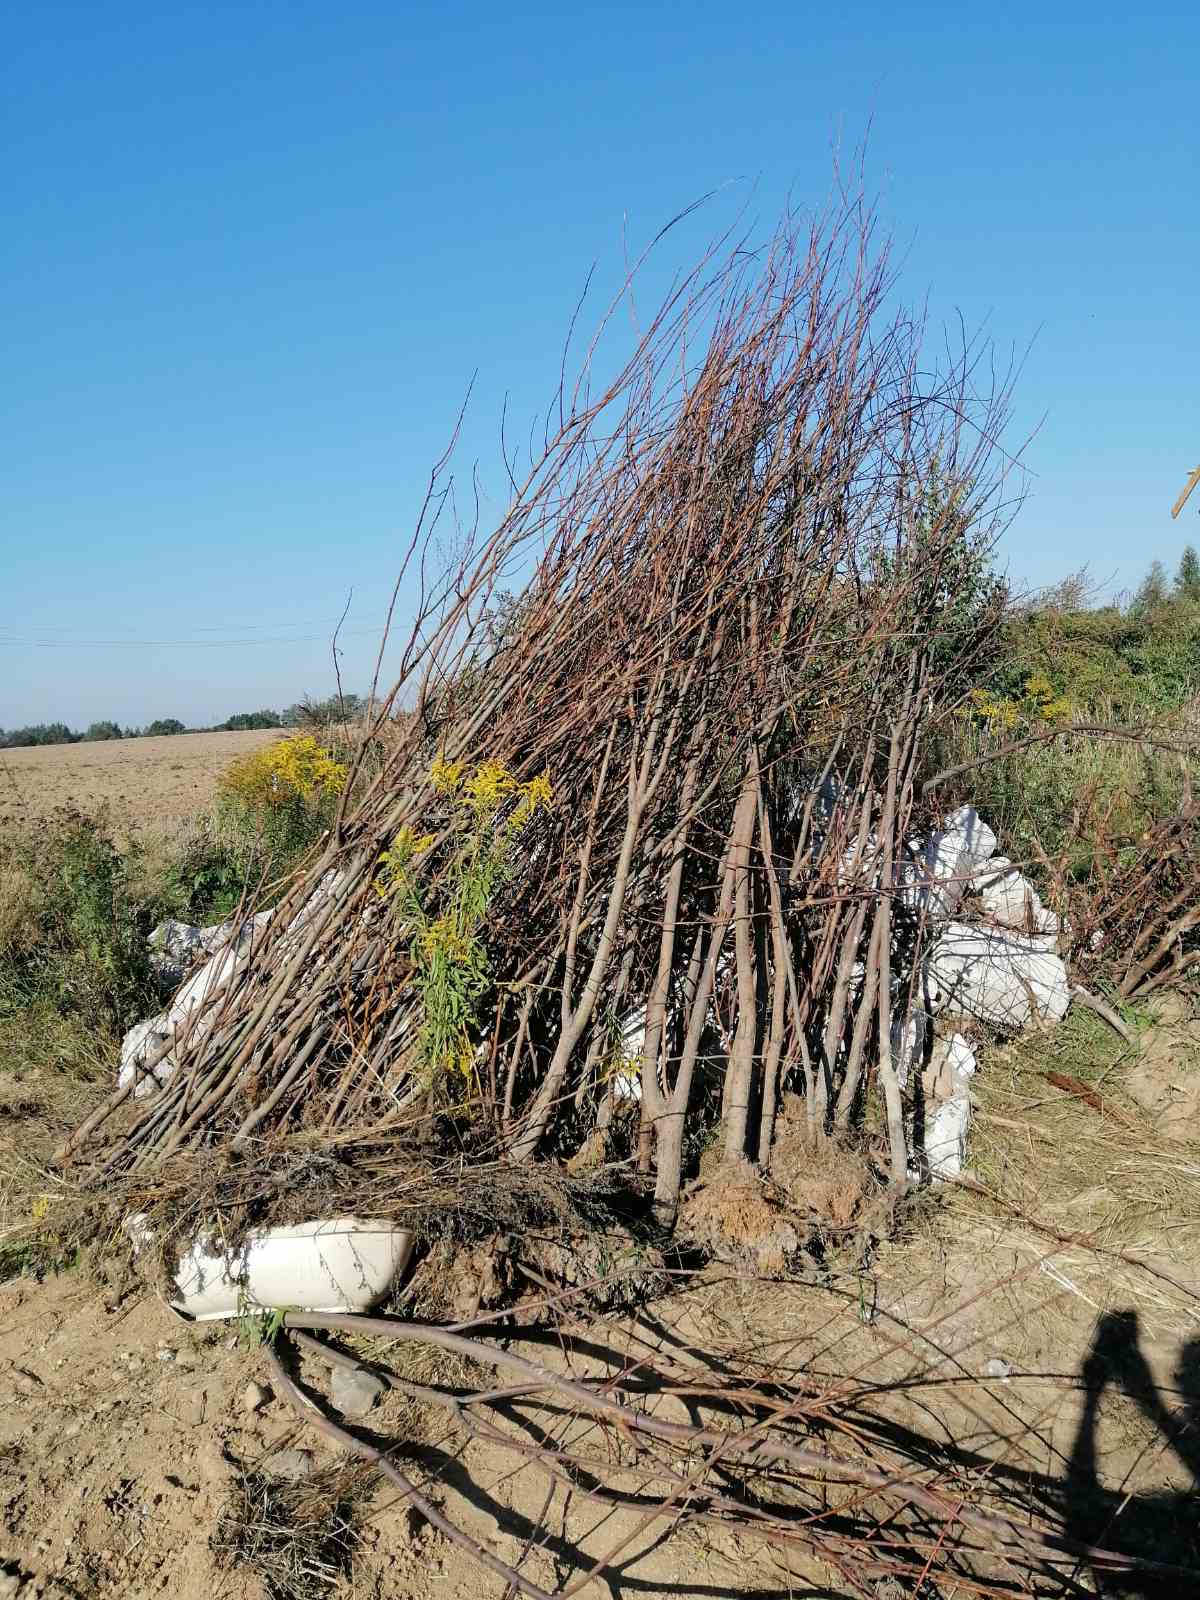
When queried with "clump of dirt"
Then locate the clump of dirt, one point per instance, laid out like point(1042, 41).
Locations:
point(812, 1193)
point(610, 1266)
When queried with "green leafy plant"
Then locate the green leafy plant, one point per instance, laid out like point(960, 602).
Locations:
point(258, 1329)
point(488, 809)
point(71, 933)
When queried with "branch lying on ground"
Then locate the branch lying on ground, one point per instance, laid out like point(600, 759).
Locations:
point(760, 1445)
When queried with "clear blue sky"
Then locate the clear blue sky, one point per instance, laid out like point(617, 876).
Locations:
point(254, 253)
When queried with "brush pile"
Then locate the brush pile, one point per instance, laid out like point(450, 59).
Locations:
point(638, 888)
point(640, 846)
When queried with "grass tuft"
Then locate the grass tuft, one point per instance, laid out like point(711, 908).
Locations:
point(297, 1538)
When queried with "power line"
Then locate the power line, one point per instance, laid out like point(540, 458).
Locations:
point(29, 642)
point(14, 627)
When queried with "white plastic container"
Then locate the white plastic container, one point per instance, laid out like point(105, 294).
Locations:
point(344, 1264)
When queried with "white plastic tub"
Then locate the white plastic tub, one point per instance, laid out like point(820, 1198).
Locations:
point(344, 1264)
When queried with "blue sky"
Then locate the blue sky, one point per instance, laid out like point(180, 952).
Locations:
point(255, 253)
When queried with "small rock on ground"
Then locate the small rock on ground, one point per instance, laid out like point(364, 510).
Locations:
point(192, 1405)
point(290, 1464)
point(254, 1398)
point(355, 1390)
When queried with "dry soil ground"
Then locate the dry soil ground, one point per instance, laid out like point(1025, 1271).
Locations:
point(145, 782)
point(123, 1432)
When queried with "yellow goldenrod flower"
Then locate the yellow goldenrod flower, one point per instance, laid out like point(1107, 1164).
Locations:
point(993, 709)
point(461, 1057)
point(442, 938)
point(395, 861)
point(446, 775)
point(538, 792)
point(488, 785)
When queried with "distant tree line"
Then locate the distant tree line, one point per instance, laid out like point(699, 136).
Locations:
point(308, 712)
point(59, 733)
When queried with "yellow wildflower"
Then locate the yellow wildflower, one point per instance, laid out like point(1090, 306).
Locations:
point(446, 775)
point(409, 844)
point(488, 785)
point(1051, 707)
point(461, 1057)
point(442, 938)
point(293, 767)
point(538, 792)
point(395, 861)
point(993, 709)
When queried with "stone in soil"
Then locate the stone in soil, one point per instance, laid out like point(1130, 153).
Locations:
point(290, 1464)
point(355, 1391)
point(254, 1397)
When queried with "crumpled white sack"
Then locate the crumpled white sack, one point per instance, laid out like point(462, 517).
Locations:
point(948, 860)
point(1009, 898)
point(230, 941)
point(138, 1045)
point(909, 1037)
point(1009, 980)
point(946, 1128)
point(946, 1138)
point(627, 1077)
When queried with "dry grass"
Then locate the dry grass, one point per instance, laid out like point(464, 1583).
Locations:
point(1083, 1158)
point(20, 921)
point(53, 1069)
point(298, 1538)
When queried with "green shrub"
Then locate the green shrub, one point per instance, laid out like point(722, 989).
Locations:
point(71, 935)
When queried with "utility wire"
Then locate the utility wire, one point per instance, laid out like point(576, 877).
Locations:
point(27, 642)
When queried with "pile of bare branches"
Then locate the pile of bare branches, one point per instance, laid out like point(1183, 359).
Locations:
point(1138, 924)
point(817, 1468)
point(757, 580)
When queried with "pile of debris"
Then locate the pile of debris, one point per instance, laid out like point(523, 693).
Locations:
point(647, 822)
point(993, 964)
point(631, 883)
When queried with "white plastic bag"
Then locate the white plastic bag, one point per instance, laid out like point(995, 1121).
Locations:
point(946, 862)
point(1010, 899)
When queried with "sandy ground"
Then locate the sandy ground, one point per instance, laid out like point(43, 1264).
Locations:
point(123, 1433)
point(146, 782)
